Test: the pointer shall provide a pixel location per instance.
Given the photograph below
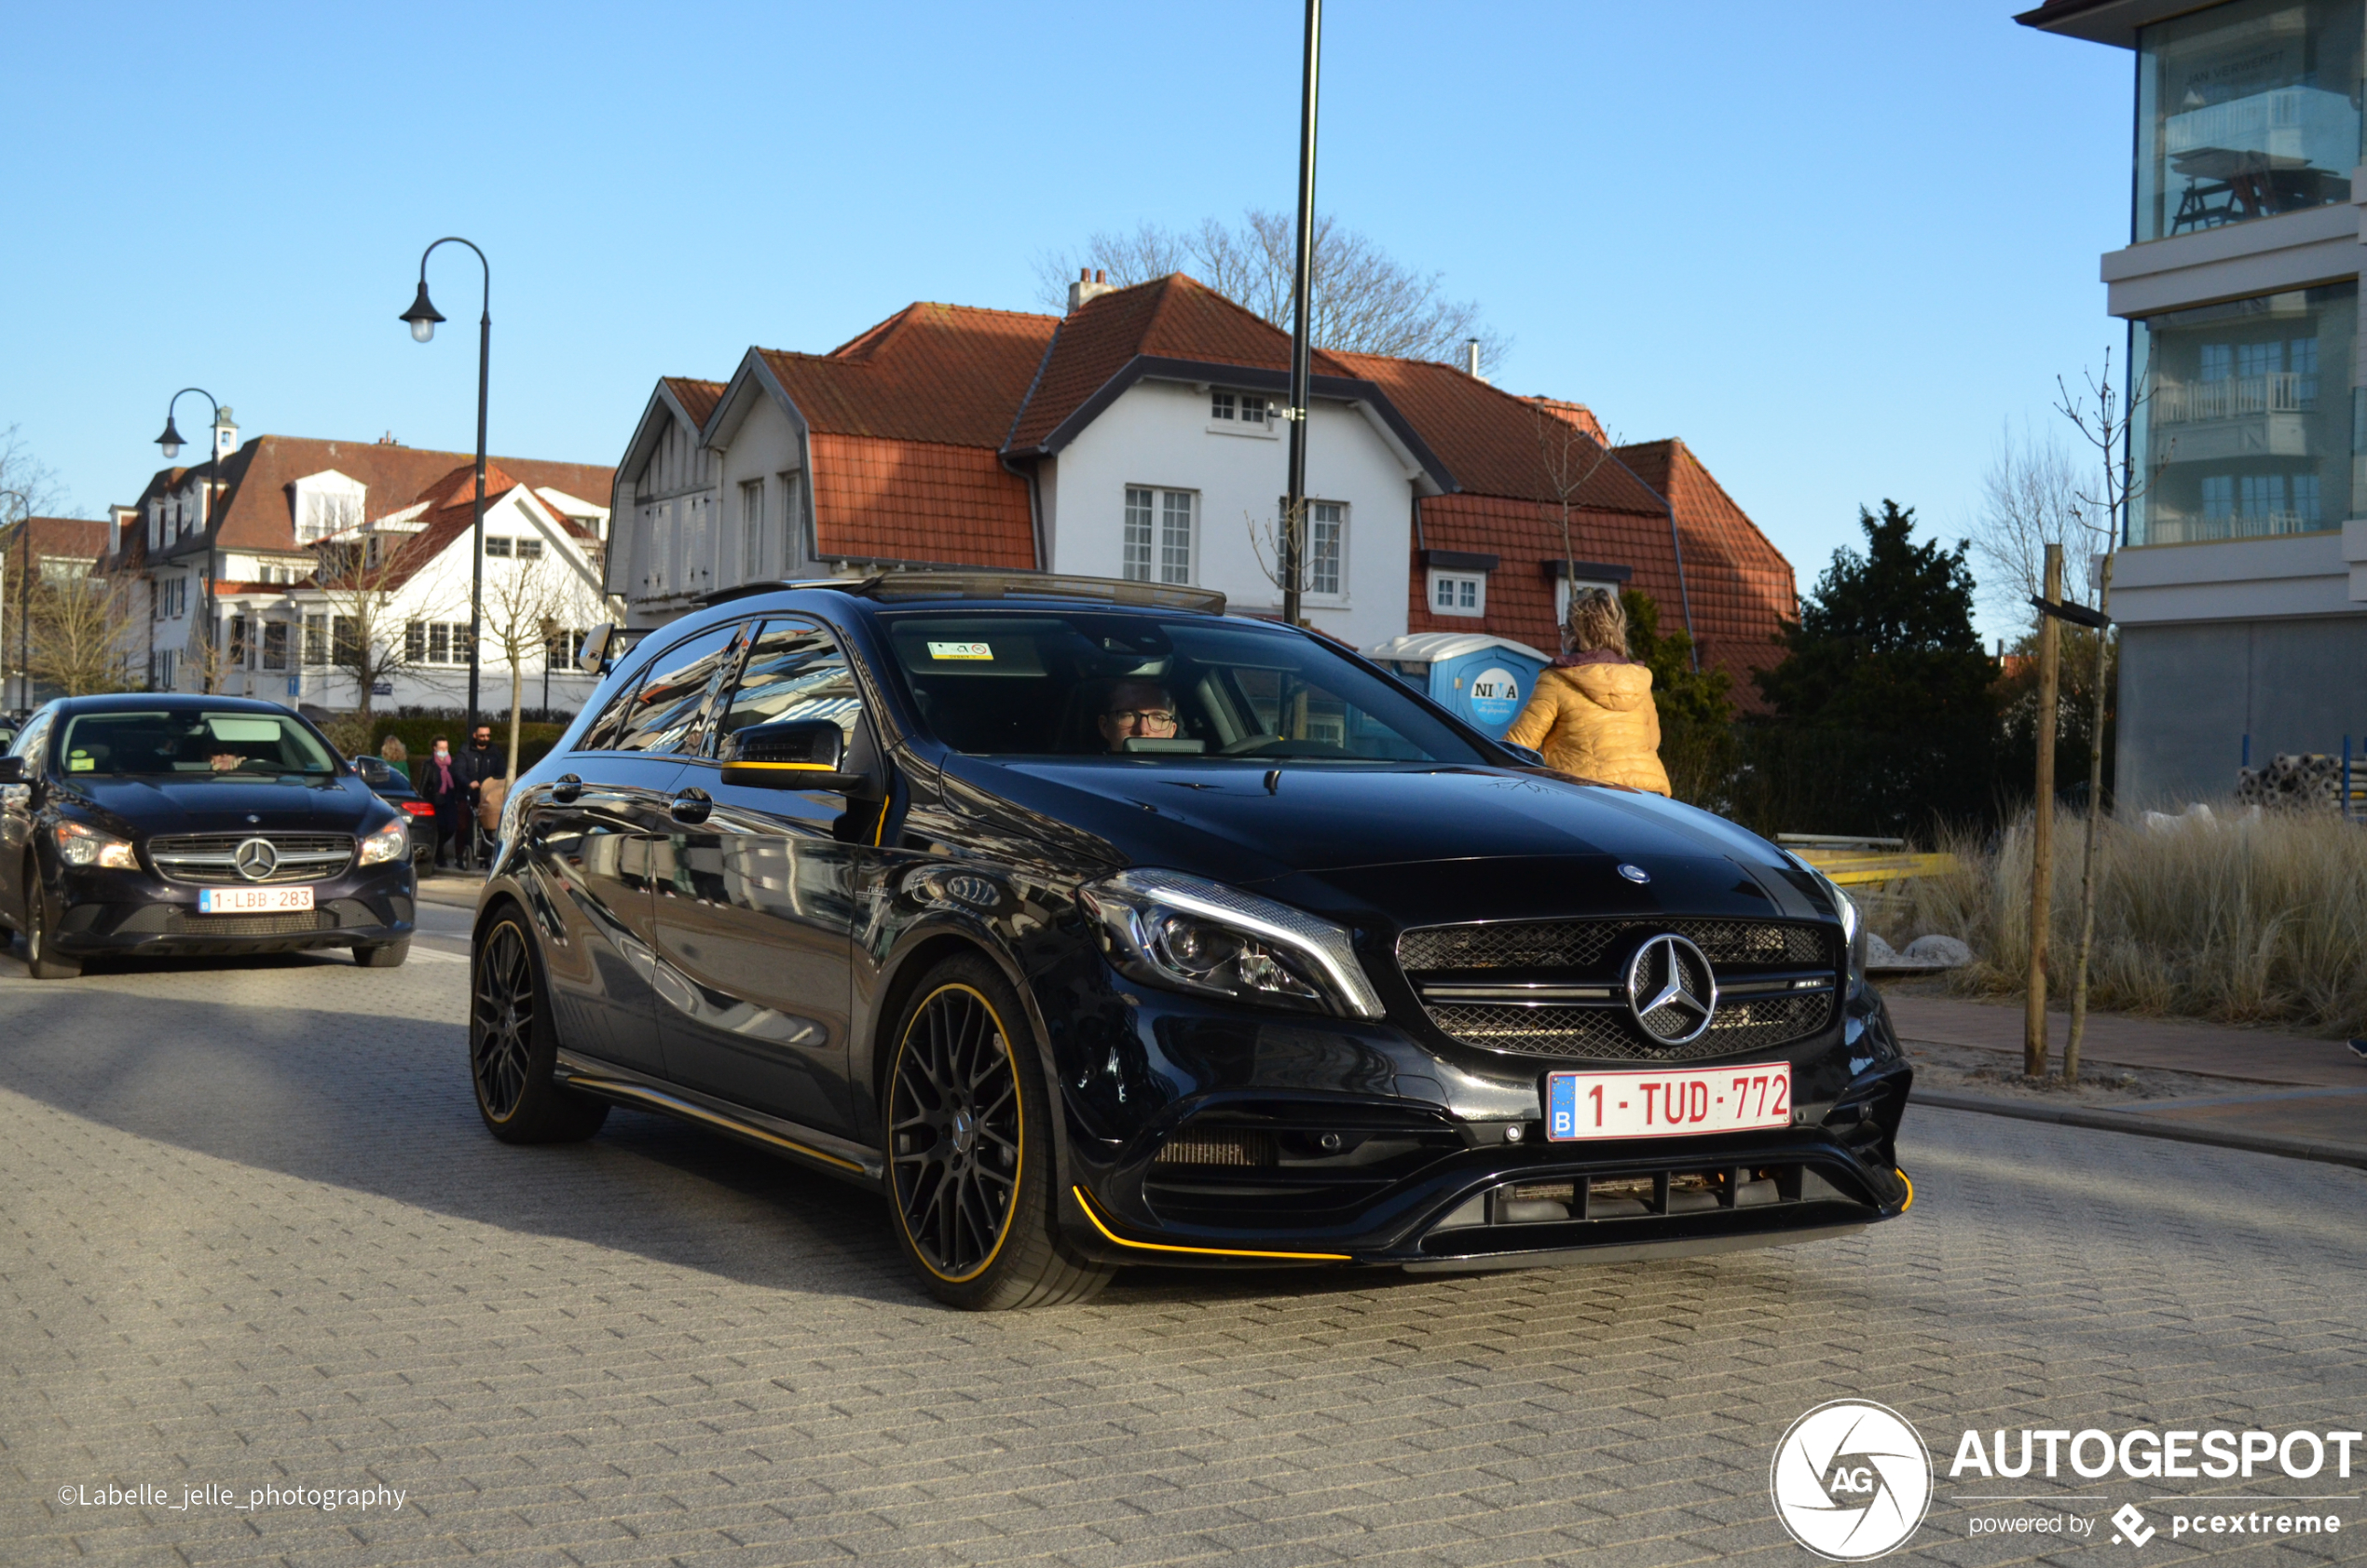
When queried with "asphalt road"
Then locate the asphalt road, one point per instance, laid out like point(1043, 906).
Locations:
point(252, 1236)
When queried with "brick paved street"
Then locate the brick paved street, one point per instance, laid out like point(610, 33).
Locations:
point(252, 1233)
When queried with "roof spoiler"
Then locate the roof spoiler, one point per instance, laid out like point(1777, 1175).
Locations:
point(954, 584)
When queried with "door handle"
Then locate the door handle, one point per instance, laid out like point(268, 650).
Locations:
point(567, 788)
point(691, 806)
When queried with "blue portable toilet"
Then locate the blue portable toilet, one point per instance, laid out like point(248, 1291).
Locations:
point(1483, 678)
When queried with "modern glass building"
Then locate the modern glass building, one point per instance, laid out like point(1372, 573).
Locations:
point(2241, 585)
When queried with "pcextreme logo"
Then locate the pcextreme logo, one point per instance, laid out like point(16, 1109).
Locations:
point(1851, 1481)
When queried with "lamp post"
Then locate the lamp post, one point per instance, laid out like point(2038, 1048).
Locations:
point(24, 598)
point(423, 317)
point(170, 444)
point(1293, 544)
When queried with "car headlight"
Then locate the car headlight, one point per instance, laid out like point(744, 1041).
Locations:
point(1853, 926)
point(78, 845)
point(1199, 936)
point(391, 843)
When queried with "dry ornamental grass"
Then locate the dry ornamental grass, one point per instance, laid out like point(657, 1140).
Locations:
point(2260, 921)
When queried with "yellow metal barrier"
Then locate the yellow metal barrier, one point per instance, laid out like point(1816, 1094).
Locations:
point(1861, 868)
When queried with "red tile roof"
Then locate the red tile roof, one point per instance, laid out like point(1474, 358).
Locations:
point(944, 374)
point(698, 397)
point(909, 501)
point(1741, 587)
point(1175, 316)
point(56, 539)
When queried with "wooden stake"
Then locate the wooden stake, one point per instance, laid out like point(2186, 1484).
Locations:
point(2095, 827)
point(2042, 830)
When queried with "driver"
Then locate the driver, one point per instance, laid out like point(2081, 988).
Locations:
point(1137, 709)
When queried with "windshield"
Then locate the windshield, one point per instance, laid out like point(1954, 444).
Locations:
point(190, 742)
point(1088, 684)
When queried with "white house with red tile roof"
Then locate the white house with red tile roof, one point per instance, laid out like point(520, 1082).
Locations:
point(1138, 436)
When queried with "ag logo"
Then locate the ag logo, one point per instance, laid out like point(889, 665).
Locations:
point(1851, 1481)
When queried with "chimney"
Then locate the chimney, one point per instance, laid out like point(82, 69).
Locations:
point(225, 435)
point(1091, 282)
point(1470, 358)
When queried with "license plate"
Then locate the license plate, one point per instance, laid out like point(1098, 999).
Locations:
point(252, 901)
point(1592, 1105)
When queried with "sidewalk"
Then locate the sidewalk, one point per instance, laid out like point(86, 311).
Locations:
point(458, 888)
point(2286, 1094)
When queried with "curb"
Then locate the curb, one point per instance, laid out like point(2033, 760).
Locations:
point(2146, 1127)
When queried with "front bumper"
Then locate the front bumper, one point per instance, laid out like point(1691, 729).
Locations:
point(1339, 1142)
point(102, 913)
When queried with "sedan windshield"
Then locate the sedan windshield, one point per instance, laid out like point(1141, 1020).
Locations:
point(190, 742)
point(1095, 684)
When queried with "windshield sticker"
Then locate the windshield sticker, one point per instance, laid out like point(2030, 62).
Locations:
point(960, 650)
point(80, 762)
point(242, 729)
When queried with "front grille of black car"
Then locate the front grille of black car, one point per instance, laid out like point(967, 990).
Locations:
point(296, 922)
point(1290, 1166)
point(211, 858)
point(1790, 967)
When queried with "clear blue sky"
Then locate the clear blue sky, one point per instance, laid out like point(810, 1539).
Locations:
point(1833, 246)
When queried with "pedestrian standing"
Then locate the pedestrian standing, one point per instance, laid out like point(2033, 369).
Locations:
point(446, 788)
point(396, 753)
point(479, 764)
point(1592, 711)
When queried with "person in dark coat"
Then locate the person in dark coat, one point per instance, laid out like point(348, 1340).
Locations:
point(443, 778)
point(478, 763)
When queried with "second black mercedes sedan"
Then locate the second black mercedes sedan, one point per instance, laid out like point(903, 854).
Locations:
point(1092, 925)
point(172, 824)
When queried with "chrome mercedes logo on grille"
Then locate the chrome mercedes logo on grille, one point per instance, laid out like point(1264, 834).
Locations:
point(255, 859)
point(1671, 990)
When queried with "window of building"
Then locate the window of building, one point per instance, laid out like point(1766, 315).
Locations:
point(1244, 410)
point(752, 529)
point(436, 642)
point(275, 645)
point(2245, 111)
point(1326, 548)
point(529, 550)
point(1220, 405)
point(2238, 436)
point(497, 547)
point(315, 640)
point(1459, 592)
point(1158, 544)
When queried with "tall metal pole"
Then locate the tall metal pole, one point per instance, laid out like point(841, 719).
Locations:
point(205, 522)
point(2042, 834)
point(422, 311)
point(24, 599)
point(1293, 541)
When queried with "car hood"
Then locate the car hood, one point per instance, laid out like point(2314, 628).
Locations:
point(1422, 843)
point(214, 805)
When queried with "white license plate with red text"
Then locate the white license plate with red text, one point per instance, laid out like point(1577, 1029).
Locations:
point(1586, 1105)
point(252, 901)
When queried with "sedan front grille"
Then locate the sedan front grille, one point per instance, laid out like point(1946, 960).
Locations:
point(212, 858)
point(1552, 988)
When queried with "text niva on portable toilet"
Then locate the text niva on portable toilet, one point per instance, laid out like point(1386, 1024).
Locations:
point(1485, 680)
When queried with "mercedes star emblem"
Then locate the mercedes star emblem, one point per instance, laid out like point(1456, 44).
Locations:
point(255, 859)
point(1671, 990)
point(1634, 873)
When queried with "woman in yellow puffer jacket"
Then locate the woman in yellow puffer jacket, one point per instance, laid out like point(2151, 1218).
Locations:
point(1592, 711)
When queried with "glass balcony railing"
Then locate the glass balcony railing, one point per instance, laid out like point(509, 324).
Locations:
point(2235, 397)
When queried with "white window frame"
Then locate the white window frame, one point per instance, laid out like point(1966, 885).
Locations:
point(752, 529)
point(1337, 594)
point(1562, 586)
point(1460, 578)
point(1147, 536)
point(1230, 413)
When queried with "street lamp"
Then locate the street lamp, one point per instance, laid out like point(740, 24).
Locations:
point(170, 443)
point(423, 317)
point(24, 598)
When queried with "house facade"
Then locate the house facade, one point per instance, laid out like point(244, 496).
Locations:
point(242, 575)
point(2240, 585)
point(1139, 436)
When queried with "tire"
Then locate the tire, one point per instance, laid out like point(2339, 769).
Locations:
point(511, 1044)
point(383, 955)
point(968, 1146)
point(40, 962)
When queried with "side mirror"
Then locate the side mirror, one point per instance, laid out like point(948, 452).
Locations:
point(598, 647)
point(1533, 758)
point(793, 754)
point(12, 770)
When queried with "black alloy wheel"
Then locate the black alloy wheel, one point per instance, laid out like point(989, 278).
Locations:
point(956, 1128)
point(40, 963)
point(513, 1048)
point(969, 1148)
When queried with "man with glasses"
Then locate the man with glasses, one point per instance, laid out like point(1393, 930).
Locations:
point(1137, 710)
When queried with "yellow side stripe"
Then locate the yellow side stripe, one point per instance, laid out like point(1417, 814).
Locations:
point(801, 767)
point(1086, 1203)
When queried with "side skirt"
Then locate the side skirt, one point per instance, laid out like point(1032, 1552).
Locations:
point(825, 1151)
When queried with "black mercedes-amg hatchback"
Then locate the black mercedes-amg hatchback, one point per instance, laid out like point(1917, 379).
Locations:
point(178, 824)
point(1091, 926)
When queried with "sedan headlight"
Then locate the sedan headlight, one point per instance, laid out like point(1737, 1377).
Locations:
point(78, 845)
point(1853, 926)
point(391, 843)
point(1199, 936)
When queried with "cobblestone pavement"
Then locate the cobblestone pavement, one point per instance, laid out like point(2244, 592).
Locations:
point(250, 1234)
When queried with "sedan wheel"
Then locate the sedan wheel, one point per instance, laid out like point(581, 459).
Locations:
point(513, 1048)
point(969, 1150)
point(40, 962)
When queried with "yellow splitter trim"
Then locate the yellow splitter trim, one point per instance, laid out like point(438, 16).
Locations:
point(1086, 1203)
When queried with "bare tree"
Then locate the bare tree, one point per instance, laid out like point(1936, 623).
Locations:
point(355, 575)
point(1361, 300)
point(28, 489)
point(527, 604)
point(2029, 500)
point(77, 624)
